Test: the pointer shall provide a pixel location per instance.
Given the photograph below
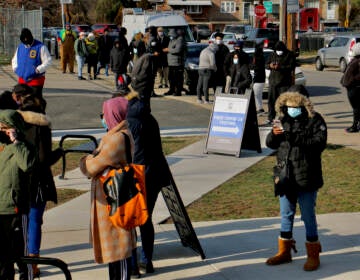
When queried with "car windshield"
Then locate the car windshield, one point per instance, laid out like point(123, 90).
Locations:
point(228, 36)
point(235, 29)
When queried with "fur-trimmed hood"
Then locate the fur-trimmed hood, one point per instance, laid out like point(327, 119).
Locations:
point(293, 99)
point(35, 118)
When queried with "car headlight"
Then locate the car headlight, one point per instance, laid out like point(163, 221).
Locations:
point(193, 66)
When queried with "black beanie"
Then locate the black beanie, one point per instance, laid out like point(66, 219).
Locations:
point(26, 37)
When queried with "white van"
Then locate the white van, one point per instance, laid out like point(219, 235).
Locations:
point(135, 20)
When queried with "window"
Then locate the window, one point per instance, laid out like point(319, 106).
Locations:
point(196, 9)
point(227, 7)
point(330, 10)
point(246, 14)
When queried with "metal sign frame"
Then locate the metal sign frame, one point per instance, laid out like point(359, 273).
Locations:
point(233, 124)
point(180, 217)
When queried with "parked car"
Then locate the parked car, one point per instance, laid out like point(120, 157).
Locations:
point(229, 39)
point(239, 29)
point(337, 53)
point(99, 28)
point(51, 40)
point(299, 74)
point(269, 36)
point(81, 28)
point(192, 65)
point(203, 31)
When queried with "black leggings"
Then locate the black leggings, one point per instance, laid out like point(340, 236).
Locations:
point(354, 99)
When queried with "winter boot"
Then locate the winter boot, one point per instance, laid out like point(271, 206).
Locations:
point(313, 250)
point(35, 269)
point(284, 253)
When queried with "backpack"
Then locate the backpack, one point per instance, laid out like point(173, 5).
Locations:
point(125, 193)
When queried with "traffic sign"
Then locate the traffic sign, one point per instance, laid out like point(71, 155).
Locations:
point(268, 6)
point(260, 11)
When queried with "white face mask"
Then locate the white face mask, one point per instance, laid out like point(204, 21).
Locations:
point(218, 42)
point(235, 60)
point(279, 53)
point(161, 34)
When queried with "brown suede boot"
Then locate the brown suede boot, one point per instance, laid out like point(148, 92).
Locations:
point(313, 250)
point(35, 269)
point(284, 253)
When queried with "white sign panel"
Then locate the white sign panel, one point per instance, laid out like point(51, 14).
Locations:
point(292, 6)
point(66, 1)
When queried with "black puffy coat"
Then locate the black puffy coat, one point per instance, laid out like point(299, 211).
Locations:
point(119, 59)
point(306, 138)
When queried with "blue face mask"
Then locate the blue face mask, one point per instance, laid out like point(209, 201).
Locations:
point(294, 111)
point(104, 123)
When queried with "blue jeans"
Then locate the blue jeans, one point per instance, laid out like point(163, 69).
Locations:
point(80, 64)
point(34, 227)
point(307, 203)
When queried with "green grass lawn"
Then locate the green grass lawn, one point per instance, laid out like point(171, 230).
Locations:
point(250, 193)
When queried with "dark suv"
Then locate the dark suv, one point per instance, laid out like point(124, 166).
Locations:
point(203, 31)
point(268, 36)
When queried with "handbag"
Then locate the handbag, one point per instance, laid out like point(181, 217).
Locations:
point(282, 173)
point(125, 193)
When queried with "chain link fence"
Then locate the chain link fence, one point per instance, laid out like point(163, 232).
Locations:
point(11, 23)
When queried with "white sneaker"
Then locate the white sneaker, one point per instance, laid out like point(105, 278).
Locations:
point(207, 102)
point(200, 101)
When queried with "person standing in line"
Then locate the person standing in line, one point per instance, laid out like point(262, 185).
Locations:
point(105, 45)
point(112, 245)
point(119, 60)
point(67, 37)
point(219, 77)
point(92, 47)
point(243, 59)
point(148, 151)
point(351, 80)
point(144, 73)
point(207, 67)
point(163, 68)
point(259, 77)
point(240, 74)
point(282, 65)
point(176, 52)
point(17, 158)
point(38, 133)
point(299, 138)
point(30, 61)
point(81, 53)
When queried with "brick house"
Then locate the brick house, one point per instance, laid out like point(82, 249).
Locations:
point(218, 13)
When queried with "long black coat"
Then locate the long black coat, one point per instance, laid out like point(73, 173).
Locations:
point(119, 60)
point(240, 77)
point(148, 146)
point(105, 44)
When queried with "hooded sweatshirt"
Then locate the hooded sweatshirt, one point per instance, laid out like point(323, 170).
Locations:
point(207, 57)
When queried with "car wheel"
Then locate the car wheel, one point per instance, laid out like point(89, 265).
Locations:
point(318, 64)
point(343, 65)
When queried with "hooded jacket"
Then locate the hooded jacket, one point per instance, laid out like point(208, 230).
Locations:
point(177, 49)
point(207, 57)
point(16, 161)
point(282, 76)
point(119, 58)
point(304, 139)
point(38, 133)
